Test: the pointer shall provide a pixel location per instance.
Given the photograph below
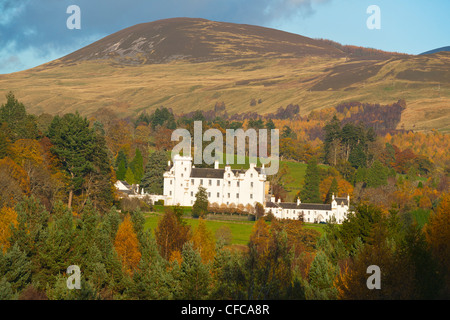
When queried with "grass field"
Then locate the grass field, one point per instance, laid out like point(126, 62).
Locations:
point(240, 230)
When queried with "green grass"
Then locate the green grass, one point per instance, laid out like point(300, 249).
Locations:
point(240, 231)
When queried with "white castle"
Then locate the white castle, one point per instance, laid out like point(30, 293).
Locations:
point(235, 186)
point(223, 186)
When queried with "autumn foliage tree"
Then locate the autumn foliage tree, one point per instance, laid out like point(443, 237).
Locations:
point(8, 217)
point(127, 245)
point(171, 234)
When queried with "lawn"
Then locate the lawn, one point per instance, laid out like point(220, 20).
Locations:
point(240, 231)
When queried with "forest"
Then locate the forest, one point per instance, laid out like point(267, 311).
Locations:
point(59, 207)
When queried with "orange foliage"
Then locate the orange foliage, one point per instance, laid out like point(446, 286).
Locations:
point(127, 245)
point(8, 217)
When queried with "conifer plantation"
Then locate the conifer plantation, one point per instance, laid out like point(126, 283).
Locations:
point(59, 208)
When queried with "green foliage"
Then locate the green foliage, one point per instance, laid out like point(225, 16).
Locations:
point(200, 207)
point(121, 165)
point(137, 166)
point(377, 175)
point(20, 124)
point(129, 176)
point(310, 192)
point(153, 179)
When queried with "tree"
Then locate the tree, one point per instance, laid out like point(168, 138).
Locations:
point(200, 207)
point(437, 232)
point(332, 140)
point(203, 241)
point(377, 175)
point(195, 277)
point(321, 277)
point(259, 211)
point(153, 179)
point(127, 245)
point(171, 234)
point(310, 192)
point(73, 142)
point(121, 165)
point(21, 125)
point(137, 166)
point(129, 176)
point(8, 217)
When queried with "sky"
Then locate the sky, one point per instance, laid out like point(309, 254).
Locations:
point(34, 32)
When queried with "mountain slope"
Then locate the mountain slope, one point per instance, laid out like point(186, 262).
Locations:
point(198, 40)
point(191, 64)
point(437, 50)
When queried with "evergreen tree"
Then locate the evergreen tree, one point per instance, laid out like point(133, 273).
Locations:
point(74, 143)
point(377, 175)
point(332, 140)
point(200, 207)
point(137, 166)
point(153, 180)
point(358, 157)
point(121, 165)
point(310, 192)
point(321, 277)
point(195, 277)
point(129, 176)
point(21, 125)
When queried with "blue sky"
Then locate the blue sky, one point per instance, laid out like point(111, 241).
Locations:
point(34, 32)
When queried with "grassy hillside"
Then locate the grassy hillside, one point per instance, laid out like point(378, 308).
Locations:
point(311, 82)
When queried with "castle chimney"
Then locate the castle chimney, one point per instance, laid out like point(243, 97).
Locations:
point(216, 164)
point(298, 201)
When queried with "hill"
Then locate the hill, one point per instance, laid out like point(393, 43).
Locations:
point(437, 50)
point(190, 64)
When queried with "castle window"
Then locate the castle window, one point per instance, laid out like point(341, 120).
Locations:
point(218, 195)
point(251, 196)
point(237, 183)
point(228, 195)
point(218, 182)
point(251, 175)
point(201, 182)
point(170, 181)
point(209, 182)
point(251, 184)
point(192, 193)
point(192, 181)
point(209, 194)
point(229, 183)
point(237, 195)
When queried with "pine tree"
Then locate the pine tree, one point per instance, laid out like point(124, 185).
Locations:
point(200, 207)
point(129, 176)
point(195, 277)
point(310, 192)
point(137, 166)
point(377, 175)
point(121, 165)
point(74, 144)
point(153, 180)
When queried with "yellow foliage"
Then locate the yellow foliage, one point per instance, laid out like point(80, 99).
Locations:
point(204, 242)
point(8, 217)
point(127, 245)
